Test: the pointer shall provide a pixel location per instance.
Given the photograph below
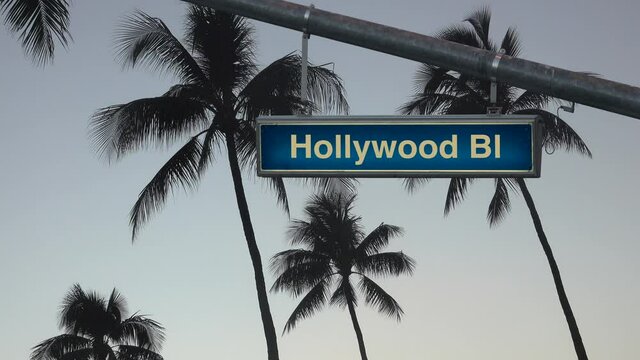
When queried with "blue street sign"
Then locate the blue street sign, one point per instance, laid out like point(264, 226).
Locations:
point(399, 146)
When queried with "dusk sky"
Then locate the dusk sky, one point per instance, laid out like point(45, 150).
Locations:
point(478, 292)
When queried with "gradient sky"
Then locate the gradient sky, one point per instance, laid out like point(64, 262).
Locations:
point(478, 293)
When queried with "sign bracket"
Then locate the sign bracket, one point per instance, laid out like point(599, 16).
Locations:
point(305, 59)
point(493, 91)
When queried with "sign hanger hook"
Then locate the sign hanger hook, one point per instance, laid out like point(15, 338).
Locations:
point(493, 91)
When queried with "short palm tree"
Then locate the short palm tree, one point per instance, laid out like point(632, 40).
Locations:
point(39, 23)
point(219, 95)
point(441, 91)
point(336, 252)
point(96, 328)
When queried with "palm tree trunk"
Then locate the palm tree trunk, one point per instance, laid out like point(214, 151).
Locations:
point(564, 301)
point(356, 327)
point(243, 208)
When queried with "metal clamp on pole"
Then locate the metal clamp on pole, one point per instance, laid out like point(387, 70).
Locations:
point(305, 57)
point(493, 92)
point(307, 15)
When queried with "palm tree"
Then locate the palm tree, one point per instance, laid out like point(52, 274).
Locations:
point(441, 91)
point(335, 252)
point(96, 328)
point(40, 23)
point(215, 104)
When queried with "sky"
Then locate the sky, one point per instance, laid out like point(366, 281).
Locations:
point(478, 292)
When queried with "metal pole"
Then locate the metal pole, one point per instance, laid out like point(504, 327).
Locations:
point(303, 71)
point(304, 91)
point(564, 84)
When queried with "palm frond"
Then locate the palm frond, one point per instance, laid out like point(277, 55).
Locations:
point(116, 306)
point(435, 89)
point(246, 144)
point(210, 144)
point(56, 347)
point(344, 294)
point(457, 190)
point(287, 259)
point(302, 277)
point(279, 188)
point(326, 90)
point(143, 39)
point(511, 43)
point(139, 331)
point(307, 233)
point(386, 264)
point(460, 34)
point(80, 354)
point(192, 91)
point(332, 214)
point(276, 90)
point(530, 100)
point(80, 310)
point(119, 129)
point(429, 78)
point(315, 299)
point(500, 203)
point(266, 104)
point(330, 185)
point(378, 239)
point(181, 169)
point(558, 134)
point(223, 46)
point(71, 303)
point(481, 20)
point(330, 205)
point(330, 221)
point(427, 103)
point(472, 103)
point(375, 296)
point(39, 24)
point(412, 184)
point(126, 352)
point(104, 351)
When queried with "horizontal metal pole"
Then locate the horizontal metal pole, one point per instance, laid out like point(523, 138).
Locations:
point(564, 84)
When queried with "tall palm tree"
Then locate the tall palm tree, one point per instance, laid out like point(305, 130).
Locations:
point(441, 91)
point(39, 23)
point(96, 328)
point(335, 252)
point(219, 94)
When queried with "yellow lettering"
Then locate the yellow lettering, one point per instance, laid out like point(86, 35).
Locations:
point(485, 146)
point(383, 148)
point(295, 146)
point(402, 148)
point(328, 147)
point(432, 153)
point(453, 146)
point(361, 151)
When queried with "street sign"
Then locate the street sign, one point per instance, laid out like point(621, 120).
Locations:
point(399, 146)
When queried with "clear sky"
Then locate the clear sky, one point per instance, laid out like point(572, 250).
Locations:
point(478, 293)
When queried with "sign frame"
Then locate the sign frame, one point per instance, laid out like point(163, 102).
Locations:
point(487, 119)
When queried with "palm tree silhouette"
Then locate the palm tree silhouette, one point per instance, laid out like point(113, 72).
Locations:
point(441, 91)
point(335, 250)
point(39, 24)
point(96, 328)
point(215, 104)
